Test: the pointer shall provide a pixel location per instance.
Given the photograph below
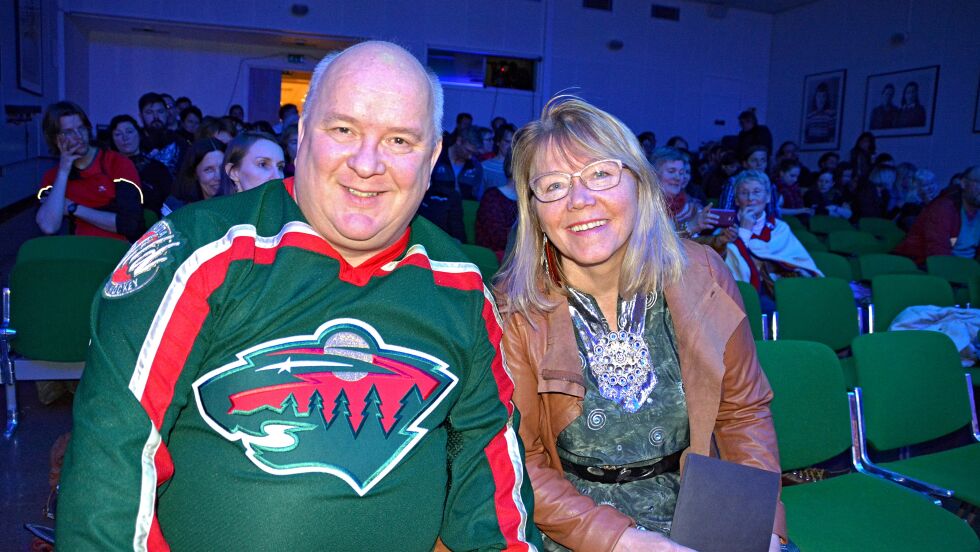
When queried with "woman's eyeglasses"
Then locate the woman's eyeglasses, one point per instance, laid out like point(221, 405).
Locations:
point(596, 176)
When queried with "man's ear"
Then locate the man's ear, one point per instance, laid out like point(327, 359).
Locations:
point(299, 134)
point(432, 161)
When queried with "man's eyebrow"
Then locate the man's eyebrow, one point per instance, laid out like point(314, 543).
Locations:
point(342, 118)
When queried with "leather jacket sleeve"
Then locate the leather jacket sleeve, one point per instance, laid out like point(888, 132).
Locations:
point(744, 431)
point(568, 517)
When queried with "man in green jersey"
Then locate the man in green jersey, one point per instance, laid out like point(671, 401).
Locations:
point(306, 365)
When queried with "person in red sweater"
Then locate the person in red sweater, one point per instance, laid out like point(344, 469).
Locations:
point(96, 190)
point(948, 225)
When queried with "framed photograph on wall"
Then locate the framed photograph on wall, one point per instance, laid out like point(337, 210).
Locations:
point(976, 111)
point(30, 71)
point(823, 110)
point(901, 103)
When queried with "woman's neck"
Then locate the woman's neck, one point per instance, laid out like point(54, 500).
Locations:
point(602, 284)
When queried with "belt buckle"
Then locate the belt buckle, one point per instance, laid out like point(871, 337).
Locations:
point(622, 475)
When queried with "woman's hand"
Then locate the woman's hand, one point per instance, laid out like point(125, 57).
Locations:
point(747, 216)
point(68, 155)
point(704, 220)
point(728, 235)
point(637, 540)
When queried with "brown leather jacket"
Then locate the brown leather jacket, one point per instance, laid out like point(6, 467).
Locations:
point(727, 396)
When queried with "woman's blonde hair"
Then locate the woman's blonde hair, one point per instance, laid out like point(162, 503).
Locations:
point(575, 128)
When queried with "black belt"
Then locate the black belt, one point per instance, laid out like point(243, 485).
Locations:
point(623, 474)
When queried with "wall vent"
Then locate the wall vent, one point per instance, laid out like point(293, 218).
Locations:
point(669, 13)
point(605, 5)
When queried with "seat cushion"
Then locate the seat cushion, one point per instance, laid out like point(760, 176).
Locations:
point(957, 469)
point(861, 512)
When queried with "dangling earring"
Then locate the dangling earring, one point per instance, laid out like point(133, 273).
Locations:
point(549, 260)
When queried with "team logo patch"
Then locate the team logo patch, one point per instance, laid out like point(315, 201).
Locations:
point(341, 401)
point(142, 262)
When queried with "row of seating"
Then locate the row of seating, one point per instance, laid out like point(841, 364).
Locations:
point(910, 389)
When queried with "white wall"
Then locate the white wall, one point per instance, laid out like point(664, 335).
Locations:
point(671, 77)
point(842, 34)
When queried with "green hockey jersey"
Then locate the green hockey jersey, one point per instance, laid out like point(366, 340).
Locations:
point(247, 389)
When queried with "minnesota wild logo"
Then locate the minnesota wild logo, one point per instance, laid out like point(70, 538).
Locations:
point(340, 401)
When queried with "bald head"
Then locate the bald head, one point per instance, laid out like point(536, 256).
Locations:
point(393, 62)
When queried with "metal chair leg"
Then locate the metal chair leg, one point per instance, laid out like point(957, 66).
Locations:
point(8, 376)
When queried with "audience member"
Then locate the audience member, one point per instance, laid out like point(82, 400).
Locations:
point(678, 142)
point(96, 190)
point(755, 158)
point(601, 483)
point(789, 192)
point(826, 199)
point(200, 175)
point(648, 141)
point(765, 248)
point(251, 159)
point(486, 144)
point(159, 142)
point(688, 214)
point(787, 150)
point(268, 313)
point(264, 126)
point(874, 194)
point(494, 173)
point(844, 180)
point(173, 113)
point(903, 191)
point(948, 225)
point(183, 103)
point(237, 111)
point(458, 166)
point(155, 179)
point(463, 121)
point(497, 213)
point(727, 167)
point(288, 115)
point(289, 140)
point(862, 155)
point(190, 122)
point(218, 128)
point(496, 123)
point(884, 160)
point(752, 133)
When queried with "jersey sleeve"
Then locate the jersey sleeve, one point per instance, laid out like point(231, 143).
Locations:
point(490, 495)
point(145, 322)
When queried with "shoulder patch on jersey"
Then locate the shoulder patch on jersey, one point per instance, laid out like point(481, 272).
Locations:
point(142, 262)
point(341, 402)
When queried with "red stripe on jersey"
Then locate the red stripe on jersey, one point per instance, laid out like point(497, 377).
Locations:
point(467, 281)
point(192, 310)
point(155, 542)
point(509, 517)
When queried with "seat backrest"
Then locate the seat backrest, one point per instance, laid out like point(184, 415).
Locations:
point(832, 265)
point(485, 259)
point(876, 264)
point(809, 241)
point(854, 242)
point(880, 227)
point(71, 247)
point(794, 223)
point(957, 270)
point(893, 293)
point(817, 309)
point(825, 224)
point(809, 405)
point(470, 207)
point(753, 309)
point(50, 303)
point(913, 387)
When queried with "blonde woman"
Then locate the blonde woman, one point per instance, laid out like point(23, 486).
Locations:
point(598, 268)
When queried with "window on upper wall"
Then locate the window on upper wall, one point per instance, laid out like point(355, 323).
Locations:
point(482, 70)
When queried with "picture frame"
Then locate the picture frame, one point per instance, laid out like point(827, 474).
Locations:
point(901, 103)
point(976, 111)
point(822, 114)
point(30, 69)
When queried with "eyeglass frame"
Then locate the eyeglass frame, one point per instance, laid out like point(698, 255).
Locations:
point(73, 132)
point(578, 174)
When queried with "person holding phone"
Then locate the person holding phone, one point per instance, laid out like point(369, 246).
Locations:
point(95, 189)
